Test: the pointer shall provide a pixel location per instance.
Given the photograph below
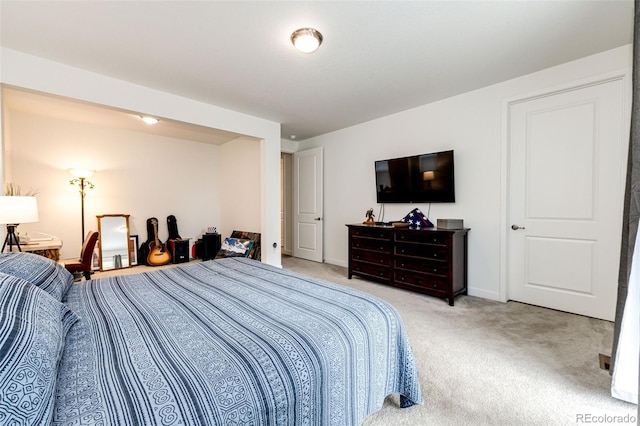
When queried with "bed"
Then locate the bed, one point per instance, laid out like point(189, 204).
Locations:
point(223, 342)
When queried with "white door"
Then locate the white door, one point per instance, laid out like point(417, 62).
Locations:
point(567, 168)
point(307, 202)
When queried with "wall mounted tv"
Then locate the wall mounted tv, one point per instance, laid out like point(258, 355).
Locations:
point(427, 178)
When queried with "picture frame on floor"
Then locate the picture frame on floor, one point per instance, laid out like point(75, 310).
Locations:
point(95, 257)
point(133, 250)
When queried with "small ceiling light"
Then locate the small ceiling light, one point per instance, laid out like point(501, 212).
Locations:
point(149, 120)
point(306, 40)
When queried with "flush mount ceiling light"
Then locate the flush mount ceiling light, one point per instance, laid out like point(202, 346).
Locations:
point(149, 120)
point(306, 40)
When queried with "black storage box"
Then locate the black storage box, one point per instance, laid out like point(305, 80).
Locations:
point(179, 250)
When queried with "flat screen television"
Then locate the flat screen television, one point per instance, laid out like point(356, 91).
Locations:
point(427, 178)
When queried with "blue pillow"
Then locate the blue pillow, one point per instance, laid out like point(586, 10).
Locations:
point(39, 271)
point(32, 333)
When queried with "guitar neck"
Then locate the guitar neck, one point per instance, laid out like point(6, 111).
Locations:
point(155, 233)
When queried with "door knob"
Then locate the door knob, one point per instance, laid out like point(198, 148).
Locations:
point(516, 227)
point(317, 218)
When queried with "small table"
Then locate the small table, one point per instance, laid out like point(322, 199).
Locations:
point(48, 248)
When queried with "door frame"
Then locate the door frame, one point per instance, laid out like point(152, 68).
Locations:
point(505, 199)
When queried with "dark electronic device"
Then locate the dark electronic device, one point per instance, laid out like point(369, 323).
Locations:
point(427, 178)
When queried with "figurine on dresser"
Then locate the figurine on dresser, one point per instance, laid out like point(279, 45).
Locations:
point(370, 218)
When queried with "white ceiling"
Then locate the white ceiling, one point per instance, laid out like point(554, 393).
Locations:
point(377, 58)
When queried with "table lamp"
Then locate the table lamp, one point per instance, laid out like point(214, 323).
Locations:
point(15, 210)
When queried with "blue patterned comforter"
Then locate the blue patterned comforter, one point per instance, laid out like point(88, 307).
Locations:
point(230, 342)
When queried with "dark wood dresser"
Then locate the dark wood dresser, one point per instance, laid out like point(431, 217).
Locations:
point(431, 261)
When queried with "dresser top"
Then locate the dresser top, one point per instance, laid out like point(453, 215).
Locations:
point(404, 228)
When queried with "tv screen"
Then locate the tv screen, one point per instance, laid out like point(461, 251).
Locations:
point(427, 178)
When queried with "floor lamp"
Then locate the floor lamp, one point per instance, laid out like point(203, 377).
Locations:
point(83, 186)
point(15, 210)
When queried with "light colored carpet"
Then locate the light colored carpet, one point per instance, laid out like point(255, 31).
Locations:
point(489, 363)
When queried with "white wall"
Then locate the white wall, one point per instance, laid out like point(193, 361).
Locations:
point(136, 173)
point(472, 125)
point(238, 178)
point(33, 73)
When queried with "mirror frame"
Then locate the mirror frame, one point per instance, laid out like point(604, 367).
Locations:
point(126, 247)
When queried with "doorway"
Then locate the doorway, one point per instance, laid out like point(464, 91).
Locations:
point(286, 203)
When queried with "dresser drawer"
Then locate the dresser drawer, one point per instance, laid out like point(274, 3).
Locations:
point(371, 257)
point(425, 237)
point(372, 244)
point(420, 265)
point(372, 232)
point(380, 272)
point(423, 251)
point(422, 281)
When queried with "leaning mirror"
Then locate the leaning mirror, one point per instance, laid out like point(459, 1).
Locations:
point(114, 241)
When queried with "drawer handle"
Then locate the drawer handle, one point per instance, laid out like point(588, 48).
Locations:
point(382, 274)
point(381, 260)
point(434, 285)
point(381, 247)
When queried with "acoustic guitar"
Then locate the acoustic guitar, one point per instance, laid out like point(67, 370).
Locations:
point(158, 254)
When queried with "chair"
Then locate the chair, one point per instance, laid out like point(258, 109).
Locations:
point(83, 264)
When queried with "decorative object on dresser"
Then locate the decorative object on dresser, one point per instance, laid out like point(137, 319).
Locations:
point(432, 261)
point(416, 219)
point(450, 224)
point(369, 218)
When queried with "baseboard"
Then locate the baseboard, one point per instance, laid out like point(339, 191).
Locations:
point(337, 262)
point(484, 294)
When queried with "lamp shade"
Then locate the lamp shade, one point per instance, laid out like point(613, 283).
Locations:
point(82, 173)
point(16, 210)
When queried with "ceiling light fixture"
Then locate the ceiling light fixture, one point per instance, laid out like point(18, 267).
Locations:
point(149, 120)
point(306, 40)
